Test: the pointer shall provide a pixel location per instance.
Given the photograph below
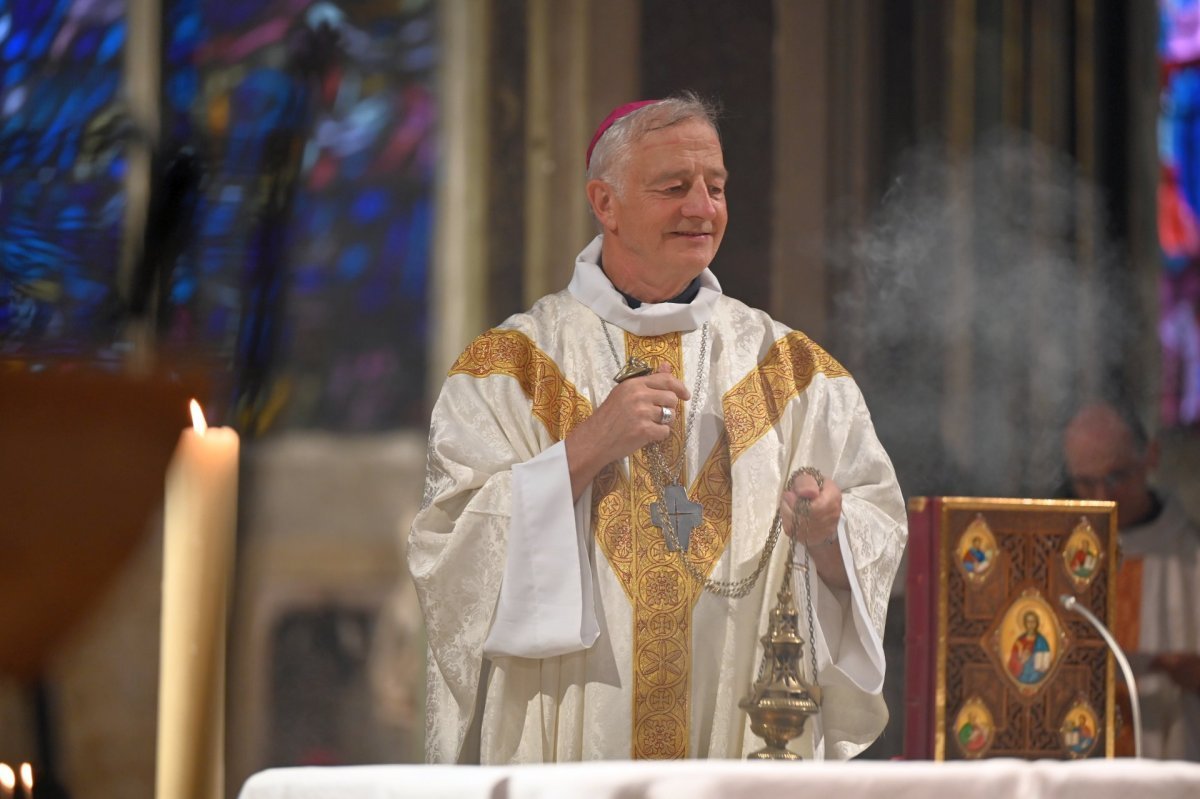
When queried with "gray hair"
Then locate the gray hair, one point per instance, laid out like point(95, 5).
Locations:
point(612, 150)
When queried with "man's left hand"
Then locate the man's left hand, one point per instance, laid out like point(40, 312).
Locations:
point(820, 525)
point(818, 528)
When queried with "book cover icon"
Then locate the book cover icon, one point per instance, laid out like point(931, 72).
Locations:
point(995, 665)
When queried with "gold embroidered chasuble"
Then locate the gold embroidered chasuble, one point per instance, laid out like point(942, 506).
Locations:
point(660, 591)
point(624, 655)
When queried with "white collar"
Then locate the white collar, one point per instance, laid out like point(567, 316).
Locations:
point(592, 287)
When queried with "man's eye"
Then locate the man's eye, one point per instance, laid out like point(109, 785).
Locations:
point(673, 189)
point(716, 191)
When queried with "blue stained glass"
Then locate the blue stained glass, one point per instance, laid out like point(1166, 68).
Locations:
point(186, 29)
point(183, 290)
point(61, 214)
point(217, 323)
point(397, 235)
point(234, 16)
point(15, 73)
point(41, 112)
point(178, 49)
point(417, 252)
point(420, 58)
point(79, 288)
point(323, 219)
point(181, 90)
point(68, 150)
point(15, 46)
point(112, 43)
point(355, 166)
point(417, 32)
point(374, 297)
point(307, 279)
point(221, 218)
point(369, 206)
point(354, 261)
point(39, 45)
point(86, 45)
point(73, 217)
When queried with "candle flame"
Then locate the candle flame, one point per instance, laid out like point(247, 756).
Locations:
point(198, 423)
point(8, 779)
point(27, 776)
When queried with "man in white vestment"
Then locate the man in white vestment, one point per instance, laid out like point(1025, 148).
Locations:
point(580, 537)
point(1109, 457)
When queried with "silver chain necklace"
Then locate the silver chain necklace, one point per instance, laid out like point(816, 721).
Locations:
point(661, 474)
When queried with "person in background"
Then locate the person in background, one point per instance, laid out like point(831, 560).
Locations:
point(1109, 457)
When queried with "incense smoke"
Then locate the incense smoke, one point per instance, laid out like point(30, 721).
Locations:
point(993, 305)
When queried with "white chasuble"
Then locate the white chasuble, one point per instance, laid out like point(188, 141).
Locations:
point(562, 631)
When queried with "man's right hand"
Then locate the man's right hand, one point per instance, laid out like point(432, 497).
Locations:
point(1182, 667)
point(628, 419)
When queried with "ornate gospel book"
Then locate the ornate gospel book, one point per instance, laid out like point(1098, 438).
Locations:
point(996, 666)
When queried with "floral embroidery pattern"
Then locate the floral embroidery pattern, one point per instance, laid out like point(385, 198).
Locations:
point(663, 664)
point(756, 403)
point(660, 589)
point(613, 525)
point(556, 403)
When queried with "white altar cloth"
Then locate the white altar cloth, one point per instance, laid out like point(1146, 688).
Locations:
point(710, 779)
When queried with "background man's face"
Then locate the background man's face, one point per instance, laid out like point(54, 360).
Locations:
point(669, 219)
point(1107, 468)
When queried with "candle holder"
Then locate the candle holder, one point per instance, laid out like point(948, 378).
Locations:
point(781, 700)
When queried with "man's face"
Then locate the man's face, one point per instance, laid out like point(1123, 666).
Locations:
point(665, 224)
point(1031, 622)
point(1107, 468)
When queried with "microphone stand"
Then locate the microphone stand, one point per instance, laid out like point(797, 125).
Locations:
point(1070, 603)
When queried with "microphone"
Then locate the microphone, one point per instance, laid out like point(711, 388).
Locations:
point(1070, 603)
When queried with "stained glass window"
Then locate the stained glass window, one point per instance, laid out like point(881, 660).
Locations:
point(1178, 207)
point(291, 222)
point(61, 174)
point(313, 249)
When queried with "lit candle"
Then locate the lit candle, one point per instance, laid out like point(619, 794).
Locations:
point(199, 528)
point(27, 779)
point(8, 781)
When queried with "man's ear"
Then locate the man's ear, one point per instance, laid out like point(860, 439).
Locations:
point(602, 198)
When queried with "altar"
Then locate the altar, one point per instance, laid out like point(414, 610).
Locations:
point(698, 779)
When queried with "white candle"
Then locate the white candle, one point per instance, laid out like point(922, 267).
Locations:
point(27, 779)
point(199, 530)
point(8, 780)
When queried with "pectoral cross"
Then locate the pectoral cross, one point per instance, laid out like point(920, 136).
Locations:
point(685, 515)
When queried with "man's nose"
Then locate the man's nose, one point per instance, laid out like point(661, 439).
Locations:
point(700, 203)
